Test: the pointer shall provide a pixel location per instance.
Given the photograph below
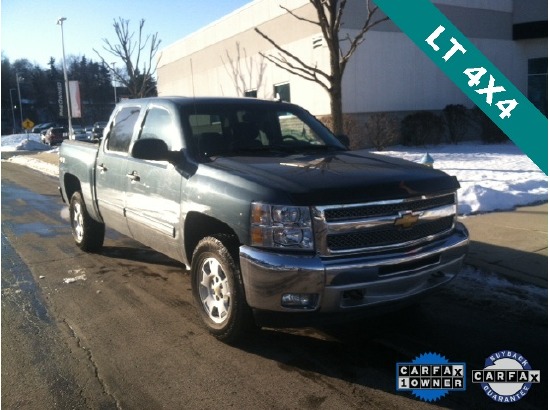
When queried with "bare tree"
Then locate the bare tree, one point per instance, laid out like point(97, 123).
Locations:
point(329, 19)
point(138, 58)
point(251, 76)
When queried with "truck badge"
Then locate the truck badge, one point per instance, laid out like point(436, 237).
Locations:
point(406, 220)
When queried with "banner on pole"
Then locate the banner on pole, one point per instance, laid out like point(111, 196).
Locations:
point(61, 108)
point(74, 91)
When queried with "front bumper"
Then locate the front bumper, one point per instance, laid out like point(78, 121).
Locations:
point(350, 283)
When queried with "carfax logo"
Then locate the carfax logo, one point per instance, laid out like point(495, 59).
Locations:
point(507, 376)
point(430, 377)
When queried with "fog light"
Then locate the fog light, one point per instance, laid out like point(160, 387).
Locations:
point(299, 300)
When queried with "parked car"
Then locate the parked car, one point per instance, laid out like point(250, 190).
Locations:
point(97, 130)
point(54, 135)
point(80, 134)
point(42, 128)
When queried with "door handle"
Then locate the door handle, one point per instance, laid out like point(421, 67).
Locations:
point(134, 176)
point(102, 168)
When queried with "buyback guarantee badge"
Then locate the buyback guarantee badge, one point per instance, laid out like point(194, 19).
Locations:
point(430, 377)
point(506, 377)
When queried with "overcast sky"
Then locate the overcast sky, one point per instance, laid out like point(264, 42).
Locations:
point(29, 29)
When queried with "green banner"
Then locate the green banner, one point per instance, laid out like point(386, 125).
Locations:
point(474, 74)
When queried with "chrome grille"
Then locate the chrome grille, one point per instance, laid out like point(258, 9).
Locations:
point(365, 211)
point(388, 236)
point(385, 225)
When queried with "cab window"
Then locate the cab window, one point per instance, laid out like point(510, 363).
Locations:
point(159, 124)
point(120, 136)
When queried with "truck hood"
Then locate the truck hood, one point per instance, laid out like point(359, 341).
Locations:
point(338, 178)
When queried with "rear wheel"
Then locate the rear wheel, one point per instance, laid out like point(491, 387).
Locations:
point(218, 290)
point(87, 233)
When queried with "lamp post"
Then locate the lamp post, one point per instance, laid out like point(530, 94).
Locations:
point(18, 79)
point(114, 80)
point(60, 23)
point(12, 108)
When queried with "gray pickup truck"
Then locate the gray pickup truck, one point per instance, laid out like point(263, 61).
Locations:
point(271, 212)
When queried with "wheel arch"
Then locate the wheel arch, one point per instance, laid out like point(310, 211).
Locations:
point(71, 184)
point(199, 226)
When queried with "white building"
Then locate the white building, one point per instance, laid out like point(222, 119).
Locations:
point(387, 73)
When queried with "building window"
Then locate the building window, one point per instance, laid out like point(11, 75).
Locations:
point(537, 90)
point(251, 93)
point(282, 92)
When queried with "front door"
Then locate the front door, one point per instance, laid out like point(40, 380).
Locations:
point(153, 193)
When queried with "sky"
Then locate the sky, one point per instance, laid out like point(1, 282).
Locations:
point(28, 28)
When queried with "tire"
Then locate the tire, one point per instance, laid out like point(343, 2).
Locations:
point(218, 290)
point(87, 233)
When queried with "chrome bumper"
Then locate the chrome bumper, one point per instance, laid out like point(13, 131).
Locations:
point(342, 284)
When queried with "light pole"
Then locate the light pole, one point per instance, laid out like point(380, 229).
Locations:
point(12, 108)
point(18, 80)
point(114, 80)
point(60, 23)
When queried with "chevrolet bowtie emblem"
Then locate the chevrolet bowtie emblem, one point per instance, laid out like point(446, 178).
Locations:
point(406, 220)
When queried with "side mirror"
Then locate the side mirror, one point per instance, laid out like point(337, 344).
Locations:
point(152, 150)
point(344, 139)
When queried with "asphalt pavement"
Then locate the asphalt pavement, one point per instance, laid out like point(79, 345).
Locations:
point(513, 244)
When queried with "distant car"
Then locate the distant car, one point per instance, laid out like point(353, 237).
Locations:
point(41, 128)
point(80, 134)
point(97, 130)
point(54, 135)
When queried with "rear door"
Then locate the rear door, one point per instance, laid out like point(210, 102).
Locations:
point(111, 172)
point(154, 188)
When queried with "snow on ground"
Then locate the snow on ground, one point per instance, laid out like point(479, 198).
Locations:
point(492, 177)
point(19, 145)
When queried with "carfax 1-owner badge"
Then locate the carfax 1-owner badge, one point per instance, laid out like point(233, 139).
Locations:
point(430, 377)
point(506, 377)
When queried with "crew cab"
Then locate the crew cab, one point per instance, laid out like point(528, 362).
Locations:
point(271, 212)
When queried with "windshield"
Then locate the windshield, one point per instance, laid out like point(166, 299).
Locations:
point(230, 129)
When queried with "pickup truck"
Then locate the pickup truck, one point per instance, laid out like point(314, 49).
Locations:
point(273, 215)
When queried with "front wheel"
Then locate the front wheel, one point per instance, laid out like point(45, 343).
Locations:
point(87, 233)
point(218, 291)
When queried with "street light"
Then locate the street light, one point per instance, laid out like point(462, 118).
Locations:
point(18, 79)
point(114, 80)
point(60, 23)
point(12, 108)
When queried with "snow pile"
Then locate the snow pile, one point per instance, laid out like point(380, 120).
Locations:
point(23, 142)
point(34, 163)
point(492, 177)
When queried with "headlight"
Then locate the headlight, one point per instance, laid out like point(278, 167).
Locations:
point(280, 226)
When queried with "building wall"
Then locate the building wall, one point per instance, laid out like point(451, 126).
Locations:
point(387, 73)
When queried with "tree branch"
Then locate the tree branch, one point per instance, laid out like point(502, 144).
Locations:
point(304, 66)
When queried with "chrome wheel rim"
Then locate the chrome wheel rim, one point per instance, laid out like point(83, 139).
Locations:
point(214, 291)
point(78, 222)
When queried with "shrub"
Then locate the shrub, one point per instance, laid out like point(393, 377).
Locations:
point(456, 119)
point(382, 130)
point(422, 128)
point(352, 129)
point(490, 132)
